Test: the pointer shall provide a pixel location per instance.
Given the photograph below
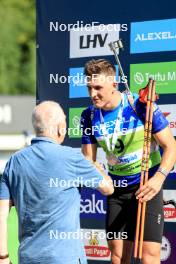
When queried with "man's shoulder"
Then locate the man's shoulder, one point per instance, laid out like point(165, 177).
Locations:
point(70, 151)
point(87, 115)
point(128, 97)
point(20, 153)
point(15, 157)
point(87, 111)
point(71, 155)
point(58, 151)
point(129, 101)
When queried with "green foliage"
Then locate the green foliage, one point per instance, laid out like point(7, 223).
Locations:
point(17, 47)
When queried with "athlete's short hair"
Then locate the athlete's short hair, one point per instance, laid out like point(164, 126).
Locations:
point(100, 66)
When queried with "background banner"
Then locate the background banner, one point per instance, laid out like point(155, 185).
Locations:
point(69, 33)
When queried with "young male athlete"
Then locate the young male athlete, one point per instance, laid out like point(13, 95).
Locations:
point(112, 124)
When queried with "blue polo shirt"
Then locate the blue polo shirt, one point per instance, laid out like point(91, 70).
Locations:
point(42, 181)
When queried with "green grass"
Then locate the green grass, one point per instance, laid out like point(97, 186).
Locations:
point(13, 236)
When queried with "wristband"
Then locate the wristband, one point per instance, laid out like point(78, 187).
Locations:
point(4, 256)
point(163, 171)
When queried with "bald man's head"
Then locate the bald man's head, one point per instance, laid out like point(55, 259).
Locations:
point(48, 118)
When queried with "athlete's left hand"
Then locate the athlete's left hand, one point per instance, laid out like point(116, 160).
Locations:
point(150, 188)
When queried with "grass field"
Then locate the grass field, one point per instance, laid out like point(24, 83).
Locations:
point(13, 236)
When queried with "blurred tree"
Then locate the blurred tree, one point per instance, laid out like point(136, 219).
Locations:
point(17, 47)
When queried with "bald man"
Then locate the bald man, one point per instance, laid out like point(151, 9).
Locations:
point(42, 182)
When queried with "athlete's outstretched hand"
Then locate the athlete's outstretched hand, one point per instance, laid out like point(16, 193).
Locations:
point(150, 188)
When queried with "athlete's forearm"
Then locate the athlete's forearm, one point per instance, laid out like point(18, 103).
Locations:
point(166, 140)
point(90, 151)
point(168, 158)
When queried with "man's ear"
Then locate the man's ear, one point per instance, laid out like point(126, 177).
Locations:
point(61, 130)
point(58, 131)
point(115, 84)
